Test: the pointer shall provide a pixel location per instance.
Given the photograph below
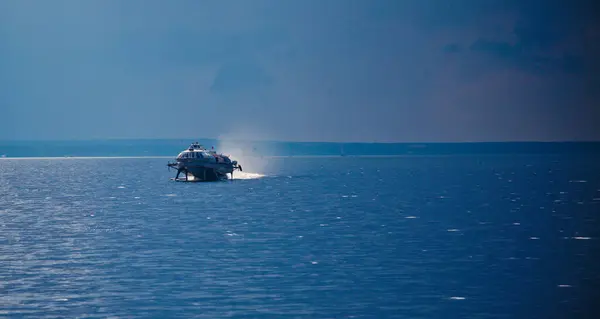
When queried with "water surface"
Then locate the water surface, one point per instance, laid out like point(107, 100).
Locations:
point(346, 237)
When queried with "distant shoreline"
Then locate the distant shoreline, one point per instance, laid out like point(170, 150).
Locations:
point(288, 156)
point(216, 140)
point(170, 148)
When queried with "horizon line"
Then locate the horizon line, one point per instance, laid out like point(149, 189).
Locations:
point(284, 141)
point(256, 157)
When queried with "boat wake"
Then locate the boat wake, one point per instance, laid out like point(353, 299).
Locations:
point(247, 155)
point(247, 175)
point(236, 176)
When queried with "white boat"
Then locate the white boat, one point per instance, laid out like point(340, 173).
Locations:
point(200, 164)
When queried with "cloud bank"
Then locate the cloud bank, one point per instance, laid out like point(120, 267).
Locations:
point(300, 70)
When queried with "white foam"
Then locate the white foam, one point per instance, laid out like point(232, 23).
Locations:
point(457, 298)
point(582, 238)
point(247, 175)
point(250, 157)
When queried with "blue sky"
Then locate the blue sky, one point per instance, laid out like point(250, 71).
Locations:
point(413, 70)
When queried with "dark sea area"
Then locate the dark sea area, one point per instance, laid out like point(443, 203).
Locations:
point(443, 231)
point(170, 147)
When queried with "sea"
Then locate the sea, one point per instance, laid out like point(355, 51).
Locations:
point(462, 235)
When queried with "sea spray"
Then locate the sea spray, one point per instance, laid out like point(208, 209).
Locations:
point(249, 155)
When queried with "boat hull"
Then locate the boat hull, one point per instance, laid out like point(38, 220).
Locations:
point(202, 171)
point(208, 174)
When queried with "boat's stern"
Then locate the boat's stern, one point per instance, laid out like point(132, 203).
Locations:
point(236, 166)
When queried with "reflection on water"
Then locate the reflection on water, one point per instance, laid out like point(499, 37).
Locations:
point(347, 237)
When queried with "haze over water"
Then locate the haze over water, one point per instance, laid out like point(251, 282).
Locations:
point(324, 237)
point(97, 96)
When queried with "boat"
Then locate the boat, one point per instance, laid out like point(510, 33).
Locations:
point(200, 164)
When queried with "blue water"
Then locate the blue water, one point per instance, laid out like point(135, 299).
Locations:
point(171, 147)
point(397, 237)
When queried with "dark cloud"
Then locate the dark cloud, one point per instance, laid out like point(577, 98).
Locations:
point(518, 56)
point(380, 70)
point(546, 37)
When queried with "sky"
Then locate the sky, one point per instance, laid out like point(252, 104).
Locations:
point(301, 70)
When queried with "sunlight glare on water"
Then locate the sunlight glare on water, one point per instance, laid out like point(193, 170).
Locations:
point(426, 237)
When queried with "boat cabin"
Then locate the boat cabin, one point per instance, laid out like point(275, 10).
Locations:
point(197, 151)
point(194, 154)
